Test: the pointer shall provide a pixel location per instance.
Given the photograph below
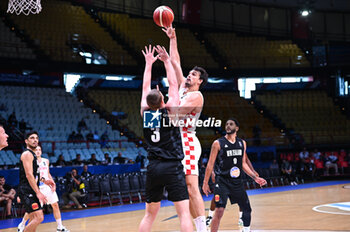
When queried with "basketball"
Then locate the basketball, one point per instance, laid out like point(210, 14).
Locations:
point(163, 16)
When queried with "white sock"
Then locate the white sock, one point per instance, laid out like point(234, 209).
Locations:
point(59, 223)
point(211, 213)
point(246, 229)
point(23, 222)
point(240, 214)
point(200, 223)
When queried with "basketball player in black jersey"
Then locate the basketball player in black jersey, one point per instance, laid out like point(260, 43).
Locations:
point(3, 138)
point(228, 154)
point(164, 147)
point(28, 190)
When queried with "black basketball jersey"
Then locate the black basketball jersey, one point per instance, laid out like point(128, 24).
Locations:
point(164, 142)
point(229, 159)
point(23, 182)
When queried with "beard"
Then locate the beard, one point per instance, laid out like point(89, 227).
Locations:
point(31, 147)
point(231, 132)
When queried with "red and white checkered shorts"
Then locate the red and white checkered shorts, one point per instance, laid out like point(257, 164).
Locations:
point(192, 151)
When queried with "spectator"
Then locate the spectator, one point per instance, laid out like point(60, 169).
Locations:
point(79, 137)
point(288, 172)
point(331, 162)
point(96, 137)
point(7, 195)
point(140, 159)
point(304, 159)
point(82, 125)
point(71, 137)
point(90, 137)
point(107, 159)
point(119, 159)
point(75, 189)
point(93, 160)
point(274, 165)
point(22, 126)
point(317, 154)
point(204, 161)
point(86, 173)
point(12, 120)
point(60, 161)
point(104, 140)
point(77, 160)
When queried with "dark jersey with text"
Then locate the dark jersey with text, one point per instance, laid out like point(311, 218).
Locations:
point(164, 142)
point(229, 159)
point(23, 181)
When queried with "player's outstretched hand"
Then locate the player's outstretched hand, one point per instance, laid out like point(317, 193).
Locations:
point(170, 32)
point(149, 54)
point(206, 189)
point(41, 197)
point(162, 53)
point(260, 181)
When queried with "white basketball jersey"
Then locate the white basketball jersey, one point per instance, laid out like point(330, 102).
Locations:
point(44, 169)
point(192, 117)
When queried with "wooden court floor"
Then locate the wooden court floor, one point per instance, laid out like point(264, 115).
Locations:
point(288, 210)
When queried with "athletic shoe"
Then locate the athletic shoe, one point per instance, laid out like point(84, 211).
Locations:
point(20, 227)
point(63, 229)
point(240, 222)
point(208, 221)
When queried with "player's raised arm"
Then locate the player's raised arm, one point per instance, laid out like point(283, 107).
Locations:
point(173, 92)
point(147, 75)
point(174, 54)
point(208, 171)
point(250, 172)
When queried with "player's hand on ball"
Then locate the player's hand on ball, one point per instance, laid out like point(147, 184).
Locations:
point(206, 189)
point(162, 53)
point(149, 54)
point(170, 32)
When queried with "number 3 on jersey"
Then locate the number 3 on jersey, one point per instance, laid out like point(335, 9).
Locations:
point(156, 136)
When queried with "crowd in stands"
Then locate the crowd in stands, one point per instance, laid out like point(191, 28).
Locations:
point(75, 137)
point(313, 164)
point(106, 161)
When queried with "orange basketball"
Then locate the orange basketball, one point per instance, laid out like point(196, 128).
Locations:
point(163, 16)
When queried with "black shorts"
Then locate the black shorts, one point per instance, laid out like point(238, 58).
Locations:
point(165, 174)
point(233, 189)
point(29, 200)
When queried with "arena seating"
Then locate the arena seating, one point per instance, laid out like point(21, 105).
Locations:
point(139, 32)
point(257, 52)
point(11, 46)
point(223, 105)
point(313, 114)
point(61, 24)
point(55, 113)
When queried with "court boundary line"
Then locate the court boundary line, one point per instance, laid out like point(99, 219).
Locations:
point(10, 223)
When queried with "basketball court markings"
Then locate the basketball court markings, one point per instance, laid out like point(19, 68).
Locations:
point(9, 223)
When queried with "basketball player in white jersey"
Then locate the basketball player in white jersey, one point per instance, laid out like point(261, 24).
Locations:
point(50, 193)
point(191, 104)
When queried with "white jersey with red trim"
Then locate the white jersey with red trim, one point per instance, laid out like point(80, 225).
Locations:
point(44, 169)
point(190, 143)
point(45, 189)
